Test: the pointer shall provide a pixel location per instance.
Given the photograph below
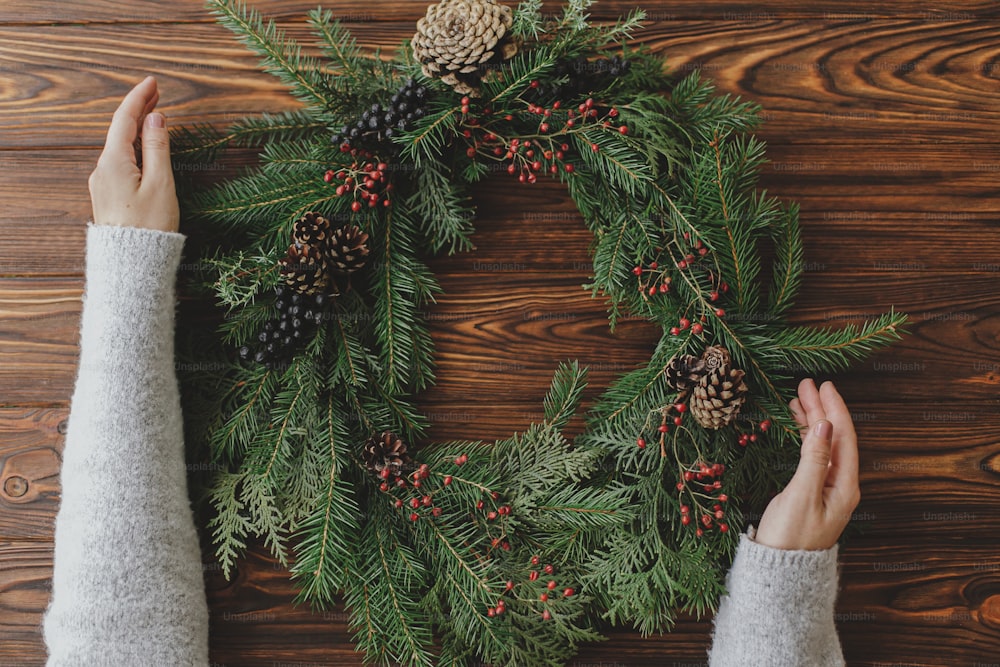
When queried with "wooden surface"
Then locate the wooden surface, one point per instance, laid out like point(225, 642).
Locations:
point(884, 123)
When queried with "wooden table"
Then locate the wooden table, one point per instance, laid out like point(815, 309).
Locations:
point(883, 123)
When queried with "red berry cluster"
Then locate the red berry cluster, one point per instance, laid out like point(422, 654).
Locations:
point(419, 501)
point(745, 439)
point(367, 183)
point(703, 484)
point(677, 410)
point(542, 589)
point(658, 278)
point(539, 153)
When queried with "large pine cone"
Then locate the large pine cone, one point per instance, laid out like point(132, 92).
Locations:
point(457, 37)
point(348, 250)
point(684, 371)
point(720, 392)
point(311, 229)
point(386, 451)
point(305, 270)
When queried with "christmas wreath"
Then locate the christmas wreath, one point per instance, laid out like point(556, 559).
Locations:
point(511, 552)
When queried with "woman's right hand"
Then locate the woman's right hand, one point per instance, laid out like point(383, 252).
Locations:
point(121, 193)
point(816, 506)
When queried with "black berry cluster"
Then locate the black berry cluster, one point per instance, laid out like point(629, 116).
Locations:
point(298, 317)
point(581, 77)
point(377, 126)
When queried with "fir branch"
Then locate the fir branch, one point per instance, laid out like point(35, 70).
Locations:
point(563, 397)
point(280, 55)
point(528, 20)
point(788, 261)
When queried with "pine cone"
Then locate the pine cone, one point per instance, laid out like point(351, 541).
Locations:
point(311, 229)
point(305, 270)
point(457, 37)
point(684, 371)
point(386, 451)
point(720, 392)
point(348, 250)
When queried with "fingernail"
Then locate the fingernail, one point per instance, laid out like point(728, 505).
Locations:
point(823, 429)
point(155, 119)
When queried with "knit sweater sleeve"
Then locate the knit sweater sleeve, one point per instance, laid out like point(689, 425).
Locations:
point(779, 610)
point(127, 588)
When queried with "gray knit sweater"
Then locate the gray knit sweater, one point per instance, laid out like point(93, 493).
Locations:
point(127, 589)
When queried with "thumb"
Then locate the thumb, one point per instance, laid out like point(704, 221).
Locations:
point(156, 147)
point(814, 459)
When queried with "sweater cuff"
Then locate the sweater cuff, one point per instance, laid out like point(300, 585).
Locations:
point(783, 578)
point(128, 266)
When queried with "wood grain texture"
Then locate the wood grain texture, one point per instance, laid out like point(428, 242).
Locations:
point(47, 12)
point(838, 82)
point(883, 122)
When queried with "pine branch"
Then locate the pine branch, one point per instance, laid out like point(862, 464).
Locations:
point(563, 397)
point(280, 55)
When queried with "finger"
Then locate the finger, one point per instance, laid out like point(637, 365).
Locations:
point(809, 398)
point(125, 123)
point(844, 457)
point(156, 149)
point(798, 413)
point(150, 105)
point(814, 460)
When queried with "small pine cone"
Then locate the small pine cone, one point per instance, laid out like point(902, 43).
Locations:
point(311, 229)
point(720, 392)
point(386, 451)
point(348, 250)
point(304, 269)
point(457, 37)
point(683, 371)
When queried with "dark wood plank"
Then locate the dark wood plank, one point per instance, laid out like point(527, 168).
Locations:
point(860, 211)
point(30, 459)
point(834, 82)
point(151, 11)
point(900, 605)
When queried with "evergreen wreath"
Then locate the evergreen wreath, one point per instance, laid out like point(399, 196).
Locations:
point(515, 552)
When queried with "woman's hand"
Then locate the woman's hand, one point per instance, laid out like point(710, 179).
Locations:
point(121, 193)
point(816, 506)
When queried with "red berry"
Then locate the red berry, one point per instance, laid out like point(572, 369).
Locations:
point(564, 147)
point(569, 168)
point(652, 290)
point(723, 497)
point(688, 475)
point(702, 251)
point(491, 612)
point(699, 532)
point(753, 437)
point(568, 592)
point(674, 331)
point(685, 323)
point(549, 569)
point(500, 608)
point(551, 585)
point(556, 104)
point(544, 597)
point(637, 271)
point(465, 100)
point(546, 615)
point(697, 329)
point(511, 169)
point(680, 486)
point(383, 486)
point(447, 480)
point(719, 514)
point(719, 312)
point(414, 516)
point(465, 108)
point(664, 288)
point(536, 165)
point(480, 505)
point(678, 420)
point(613, 113)
point(544, 127)
point(685, 509)
point(328, 176)
point(436, 511)
point(680, 407)
point(764, 425)
point(595, 147)
point(384, 473)
point(510, 585)
point(714, 296)
point(534, 84)
point(663, 428)
point(535, 560)
point(414, 503)
point(492, 515)
point(400, 482)
point(682, 264)
point(398, 503)
point(533, 576)
point(623, 129)
point(356, 206)
point(686, 519)
point(642, 443)
point(427, 501)
point(723, 528)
